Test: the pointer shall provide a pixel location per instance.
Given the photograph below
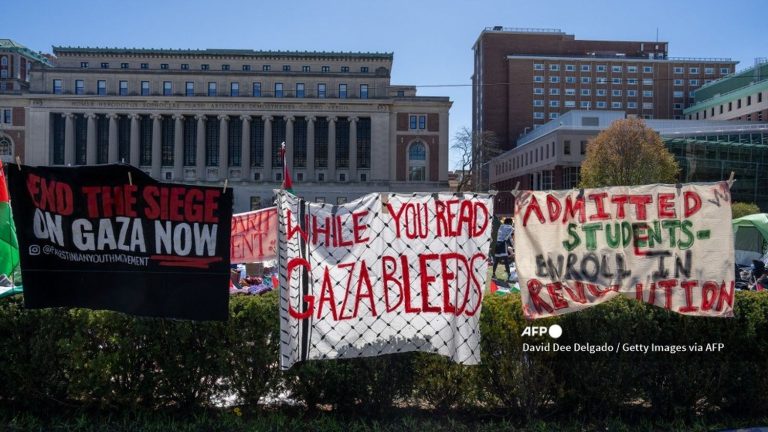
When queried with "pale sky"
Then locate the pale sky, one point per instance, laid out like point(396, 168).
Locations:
point(431, 39)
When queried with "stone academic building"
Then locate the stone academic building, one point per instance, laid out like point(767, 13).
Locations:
point(203, 116)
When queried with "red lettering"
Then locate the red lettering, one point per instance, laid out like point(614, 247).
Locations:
point(389, 277)
point(620, 201)
point(557, 297)
point(667, 285)
point(193, 212)
point(152, 209)
point(574, 206)
point(326, 296)
point(709, 295)
point(692, 203)
point(91, 203)
point(688, 286)
point(534, 288)
point(211, 205)
point(554, 207)
point(177, 204)
point(364, 278)
point(533, 206)
point(600, 214)
point(640, 202)
point(426, 279)
point(726, 296)
point(309, 300)
point(579, 295)
point(667, 206)
point(481, 259)
point(358, 227)
point(396, 216)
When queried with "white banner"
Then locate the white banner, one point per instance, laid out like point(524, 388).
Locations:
point(384, 274)
point(666, 245)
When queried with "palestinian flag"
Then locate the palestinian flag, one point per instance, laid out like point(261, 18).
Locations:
point(287, 183)
point(10, 271)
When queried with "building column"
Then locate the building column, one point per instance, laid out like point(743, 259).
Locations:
point(157, 152)
point(90, 153)
point(223, 147)
point(352, 149)
point(178, 147)
point(134, 153)
point(200, 150)
point(331, 149)
point(112, 150)
point(245, 153)
point(69, 138)
point(310, 148)
point(267, 148)
point(289, 142)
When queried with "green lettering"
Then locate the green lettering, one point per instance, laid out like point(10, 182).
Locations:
point(672, 225)
point(687, 234)
point(589, 230)
point(654, 234)
point(613, 236)
point(574, 240)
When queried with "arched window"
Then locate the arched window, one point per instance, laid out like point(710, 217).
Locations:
point(6, 147)
point(417, 162)
point(3, 61)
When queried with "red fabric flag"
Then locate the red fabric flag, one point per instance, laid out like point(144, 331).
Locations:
point(287, 183)
point(3, 185)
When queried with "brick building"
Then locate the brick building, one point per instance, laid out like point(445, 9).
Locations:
point(524, 78)
point(741, 96)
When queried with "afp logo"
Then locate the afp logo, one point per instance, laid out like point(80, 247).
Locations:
point(554, 331)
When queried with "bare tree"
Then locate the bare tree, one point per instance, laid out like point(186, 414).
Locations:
point(474, 149)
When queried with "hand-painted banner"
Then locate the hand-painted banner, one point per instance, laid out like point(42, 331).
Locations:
point(94, 237)
point(666, 245)
point(383, 274)
point(254, 236)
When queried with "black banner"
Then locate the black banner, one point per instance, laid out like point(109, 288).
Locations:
point(97, 237)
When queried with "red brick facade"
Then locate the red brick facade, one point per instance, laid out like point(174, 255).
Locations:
point(433, 154)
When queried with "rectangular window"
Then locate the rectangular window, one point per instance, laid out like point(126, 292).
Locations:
point(300, 93)
point(363, 69)
point(709, 71)
point(101, 87)
point(616, 69)
point(554, 91)
point(105, 65)
point(586, 80)
point(570, 68)
point(538, 66)
point(566, 147)
point(647, 93)
point(570, 80)
point(724, 71)
point(306, 69)
point(278, 90)
point(413, 119)
point(749, 100)
point(342, 91)
point(79, 87)
point(167, 88)
point(145, 88)
point(678, 83)
point(584, 104)
point(570, 92)
point(422, 122)
point(144, 65)
point(554, 103)
point(538, 78)
point(234, 89)
point(246, 68)
point(601, 68)
point(616, 93)
point(256, 89)
point(693, 82)
point(693, 70)
point(190, 88)
point(631, 104)
point(632, 69)
point(84, 65)
point(647, 69)
point(585, 92)
point(583, 145)
point(647, 81)
point(163, 65)
point(632, 93)
point(759, 97)
point(185, 66)
point(615, 80)
point(321, 92)
point(266, 68)
point(538, 102)
point(123, 65)
point(678, 70)
point(325, 69)
point(345, 68)
point(225, 67)
point(123, 89)
point(538, 91)
point(7, 116)
point(632, 81)
point(538, 115)
point(554, 79)
point(554, 67)
point(615, 105)
point(601, 92)
point(363, 91)
point(211, 89)
point(286, 68)
point(585, 68)
point(602, 80)
point(570, 104)
point(678, 94)
point(601, 104)
point(647, 105)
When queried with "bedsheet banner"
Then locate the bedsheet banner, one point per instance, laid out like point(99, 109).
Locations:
point(254, 236)
point(666, 245)
point(384, 274)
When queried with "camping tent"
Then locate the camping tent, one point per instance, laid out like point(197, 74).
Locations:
point(750, 235)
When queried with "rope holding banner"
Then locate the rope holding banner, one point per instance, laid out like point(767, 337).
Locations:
point(731, 180)
point(18, 162)
point(130, 179)
point(226, 180)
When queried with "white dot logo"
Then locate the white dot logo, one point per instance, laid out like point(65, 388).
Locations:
point(555, 331)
